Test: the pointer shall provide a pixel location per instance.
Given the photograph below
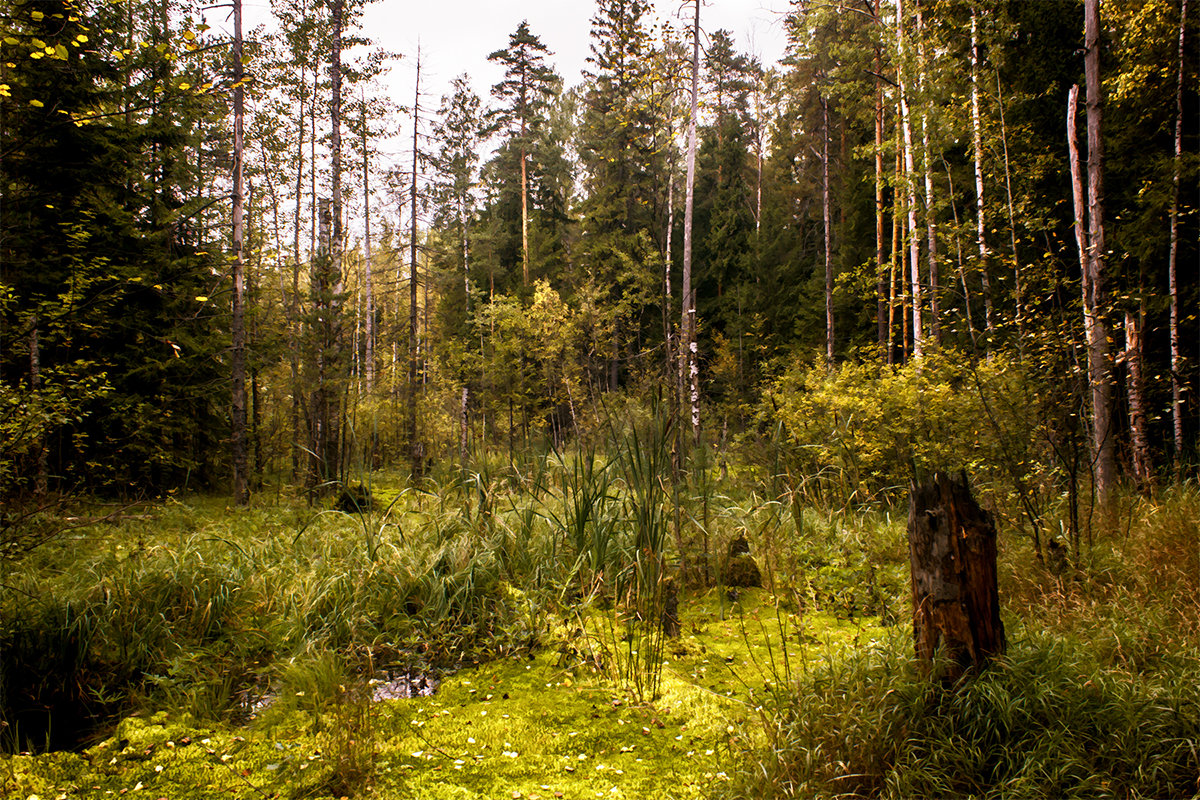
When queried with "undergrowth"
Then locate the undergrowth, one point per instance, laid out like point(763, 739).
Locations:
point(1097, 696)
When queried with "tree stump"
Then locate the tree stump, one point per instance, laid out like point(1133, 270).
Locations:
point(952, 550)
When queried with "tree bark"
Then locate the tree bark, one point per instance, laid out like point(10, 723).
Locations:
point(952, 551)
point(241, 484)
point(1100, 371)
point(689, 373)
point(368, 278)
point(1176, 361)
point(935, 315)
point(918, 328)
point(294, 330)
point(414, 444)
point(1135, 387)
point(41, 476)
point(828, 230)
point(980, 222)
point(882, 311)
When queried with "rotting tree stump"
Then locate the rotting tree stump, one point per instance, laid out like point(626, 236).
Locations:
point(952, 551)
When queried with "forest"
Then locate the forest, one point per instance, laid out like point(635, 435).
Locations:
point(571, 436)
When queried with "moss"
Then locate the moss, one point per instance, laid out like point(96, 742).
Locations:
point(518, 727)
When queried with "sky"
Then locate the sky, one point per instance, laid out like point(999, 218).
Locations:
point(456, 36)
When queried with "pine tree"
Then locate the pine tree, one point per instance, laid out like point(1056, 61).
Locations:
point(527, 86)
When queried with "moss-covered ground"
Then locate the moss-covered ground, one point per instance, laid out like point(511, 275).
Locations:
point(550, 724)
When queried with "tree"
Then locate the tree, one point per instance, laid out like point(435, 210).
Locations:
point(459, 131)
point(102, 257)
point(241, 486)
point(1100, 374)
point(527, 86)
point(688, 366)
point(624, 168)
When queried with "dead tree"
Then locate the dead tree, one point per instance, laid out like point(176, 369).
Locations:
point(952, 550)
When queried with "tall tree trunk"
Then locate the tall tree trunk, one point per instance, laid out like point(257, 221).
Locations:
point(464, 407)
point(415, 451)
point(881, 310)
point(241, 485)
point(688, 360)
point(828, 231)
point(321, 469)
point(668, 300)
point(1176, 361)
point(910, 184)
point(1099, 355)
point(977, 141)
point(294, 329)
point(368, 277)
point(524, 208)
point(40, 480)
point(935, 316)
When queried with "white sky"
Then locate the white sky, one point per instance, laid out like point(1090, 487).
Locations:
point(456, 36)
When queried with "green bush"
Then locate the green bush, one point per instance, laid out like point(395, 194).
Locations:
point(863, 430)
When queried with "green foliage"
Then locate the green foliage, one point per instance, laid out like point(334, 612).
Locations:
point(863, 430)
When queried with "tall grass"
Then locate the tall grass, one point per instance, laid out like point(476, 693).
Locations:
point(1098, 695)
point(192, 607)
point(1050, 720)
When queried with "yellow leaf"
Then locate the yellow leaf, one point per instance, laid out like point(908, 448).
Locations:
point(183, 87)
point(189, 35)
point(4, 90)
point(81, 38)
point(36, 54)
point(38, 43)
point(201, 299)
point(10, 40)
point(37, 16)
point(37, 103)
point(60, 53)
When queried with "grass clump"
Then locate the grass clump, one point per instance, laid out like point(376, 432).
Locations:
point(1098, 695)
point(1047, 721)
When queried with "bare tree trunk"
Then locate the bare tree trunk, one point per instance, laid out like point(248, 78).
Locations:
point(524, 208)
point(324, 334)
point(896, 267)
point(980, 222)
point(241, 485)
point(1099, 356)
point(294, 330)
point(1176, 361)
point(882, 313)
point(918, 328)
point(415, 454)
point(41, 480)
point(825, 215)
point(688, 361)
point(1135, 387)
point(935, 316)
point(464, 407)
point(668, 301)
point(368, 277)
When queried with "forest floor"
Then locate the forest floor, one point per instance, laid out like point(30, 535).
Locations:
point(258, 653)
point(547, 724)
